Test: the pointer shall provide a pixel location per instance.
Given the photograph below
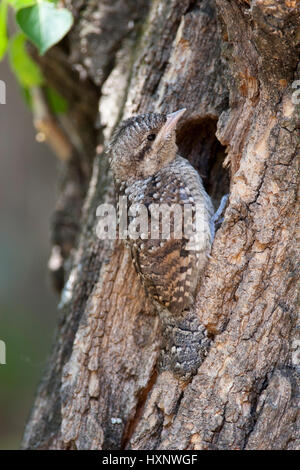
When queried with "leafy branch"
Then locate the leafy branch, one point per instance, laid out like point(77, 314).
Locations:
point(44, 24)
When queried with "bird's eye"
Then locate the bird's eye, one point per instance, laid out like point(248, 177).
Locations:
point(151, 137)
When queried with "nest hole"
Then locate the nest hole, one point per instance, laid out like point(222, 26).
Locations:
point(197, 141)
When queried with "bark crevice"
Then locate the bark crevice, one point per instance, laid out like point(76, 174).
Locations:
point(235, 78)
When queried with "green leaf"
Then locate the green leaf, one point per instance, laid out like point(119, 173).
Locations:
point(44, 24)
point(57, 103)
point(17, 4)
point(26, 94)
point(3, 31)
point(25, 69)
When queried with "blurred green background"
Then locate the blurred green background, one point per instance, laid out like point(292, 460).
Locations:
point(28, 311)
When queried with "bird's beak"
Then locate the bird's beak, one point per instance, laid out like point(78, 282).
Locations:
point(171, 123)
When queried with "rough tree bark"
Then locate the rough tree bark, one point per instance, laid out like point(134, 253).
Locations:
point(232, 65)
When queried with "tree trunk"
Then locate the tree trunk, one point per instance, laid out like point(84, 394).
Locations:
point(232, 64)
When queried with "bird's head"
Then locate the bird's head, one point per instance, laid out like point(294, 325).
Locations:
point(143, 144)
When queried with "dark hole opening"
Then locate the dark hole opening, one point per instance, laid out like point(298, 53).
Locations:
point(196, 140)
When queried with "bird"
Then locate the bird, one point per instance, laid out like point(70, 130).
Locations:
point(150, 173)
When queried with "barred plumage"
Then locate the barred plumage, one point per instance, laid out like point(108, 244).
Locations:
point(148, 170)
